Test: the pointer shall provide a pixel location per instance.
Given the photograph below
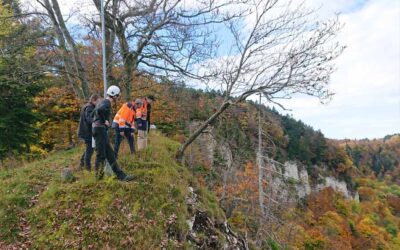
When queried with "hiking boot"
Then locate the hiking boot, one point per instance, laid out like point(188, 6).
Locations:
point(100, 174)
point(127, 178)
point(99, 171)
point(88, 168)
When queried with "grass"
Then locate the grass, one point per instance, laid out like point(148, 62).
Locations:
point(19, 186)
point(148, 213)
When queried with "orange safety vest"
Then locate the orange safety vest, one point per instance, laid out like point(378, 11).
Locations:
point(125, 115)
point(142, 111)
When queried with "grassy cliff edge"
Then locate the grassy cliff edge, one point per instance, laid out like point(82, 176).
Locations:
point(40, 211)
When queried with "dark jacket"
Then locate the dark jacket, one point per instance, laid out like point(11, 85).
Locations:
point(85, 121)
point(148, 116)
point(102, 113)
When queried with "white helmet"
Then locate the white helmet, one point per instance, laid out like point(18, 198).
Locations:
point(113, 91)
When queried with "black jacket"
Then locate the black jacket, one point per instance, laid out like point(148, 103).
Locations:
point(148, 116)
point(102, 113)
point(85, 121)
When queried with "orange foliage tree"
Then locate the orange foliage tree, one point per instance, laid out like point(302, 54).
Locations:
point(332, 222)
point(241, 197)
point(60, 107)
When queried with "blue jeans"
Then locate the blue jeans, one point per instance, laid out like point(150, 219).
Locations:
point(119, 138)
point(87, 155)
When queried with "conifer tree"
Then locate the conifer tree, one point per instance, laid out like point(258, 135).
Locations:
point(19, 82)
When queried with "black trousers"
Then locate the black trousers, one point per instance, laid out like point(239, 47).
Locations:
point(119, 138)
point(87, 155)
point(105, 152)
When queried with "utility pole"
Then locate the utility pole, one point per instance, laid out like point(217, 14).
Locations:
point(103, 34)
point(107, 167)
point(259, 162)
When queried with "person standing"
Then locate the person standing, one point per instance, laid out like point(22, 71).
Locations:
point(85, 131)
point(100, 126)
point(123, 125)
point(148, 101)
point(143, 121)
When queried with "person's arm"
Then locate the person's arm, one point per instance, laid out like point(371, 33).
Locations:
point(104, 111)
point(88, 112)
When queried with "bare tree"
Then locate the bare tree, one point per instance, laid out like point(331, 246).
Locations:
point(70, 54)
point(165, 38)
point(160, 38)
point(278, 50)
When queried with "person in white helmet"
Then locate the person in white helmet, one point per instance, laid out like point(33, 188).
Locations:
point(100, 126)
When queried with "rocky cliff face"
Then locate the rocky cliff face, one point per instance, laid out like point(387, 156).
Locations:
point(206, 149)
point(288, 181)
point(294, 178)
point(206, 233)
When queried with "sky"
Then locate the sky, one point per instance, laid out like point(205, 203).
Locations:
point(366, 83)
point(367, 80)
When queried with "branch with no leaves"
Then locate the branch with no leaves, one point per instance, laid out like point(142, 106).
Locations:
point(277, 51)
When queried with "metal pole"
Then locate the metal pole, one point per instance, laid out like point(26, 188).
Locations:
point(259, 163)
point(103, 34)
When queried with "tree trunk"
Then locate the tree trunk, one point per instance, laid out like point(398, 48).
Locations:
point(110, 41)
point(183, 147)
point(129, 62)
point(75, 53)
point(70, 139)
point(65, 52)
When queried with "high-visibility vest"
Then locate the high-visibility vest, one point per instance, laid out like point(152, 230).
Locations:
point(142, 111)
point(125, 115)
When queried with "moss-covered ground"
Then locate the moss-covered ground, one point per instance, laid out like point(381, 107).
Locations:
point(40, 210)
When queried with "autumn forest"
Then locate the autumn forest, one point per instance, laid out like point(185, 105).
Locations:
point(222, 170)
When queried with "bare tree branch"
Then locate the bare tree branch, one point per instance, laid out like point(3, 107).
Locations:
point(279, 52)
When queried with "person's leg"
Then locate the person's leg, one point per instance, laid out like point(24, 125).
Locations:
point(145, 138)
point(118, 140)
point(141, 140)
point(129, 136)
point(100, 137)
point(82, 162)
point(110, 156)
point(88, 153)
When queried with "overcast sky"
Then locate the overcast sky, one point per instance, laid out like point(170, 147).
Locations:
point(367, 80)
